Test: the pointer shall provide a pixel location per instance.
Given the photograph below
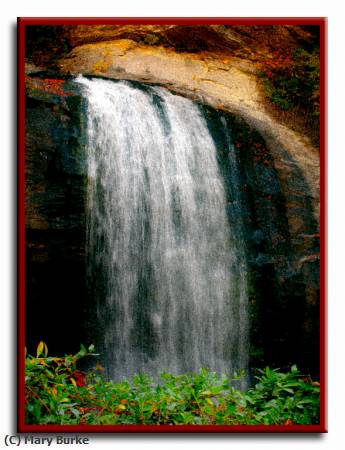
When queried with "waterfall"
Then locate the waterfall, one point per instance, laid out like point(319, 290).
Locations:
point(165, 266)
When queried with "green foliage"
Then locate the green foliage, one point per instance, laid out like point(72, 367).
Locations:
point(292, 79)
point(58, 393)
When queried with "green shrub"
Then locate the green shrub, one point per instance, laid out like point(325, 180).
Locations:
point(293, 80)
point(58, 393)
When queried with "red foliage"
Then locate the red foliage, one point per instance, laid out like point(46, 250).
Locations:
point(79, 378)
point(289, 422)
point(49, 85)
point(282, 60)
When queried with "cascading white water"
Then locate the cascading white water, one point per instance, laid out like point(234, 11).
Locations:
point(162, 258)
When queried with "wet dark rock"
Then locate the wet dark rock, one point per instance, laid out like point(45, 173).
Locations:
point(55, 216)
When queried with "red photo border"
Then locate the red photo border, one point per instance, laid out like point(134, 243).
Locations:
point(22, 427)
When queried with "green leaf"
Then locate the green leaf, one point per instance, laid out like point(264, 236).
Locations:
point(291, 391)
point(40, 349)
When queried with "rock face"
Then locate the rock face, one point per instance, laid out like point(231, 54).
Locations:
point(54, 209)
point(283, 290)
point(215, 66)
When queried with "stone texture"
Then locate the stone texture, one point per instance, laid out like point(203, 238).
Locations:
point(55, 216)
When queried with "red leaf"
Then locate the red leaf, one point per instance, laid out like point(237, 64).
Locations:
point(79, 378)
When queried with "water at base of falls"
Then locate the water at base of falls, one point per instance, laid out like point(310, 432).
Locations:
point(165, 267)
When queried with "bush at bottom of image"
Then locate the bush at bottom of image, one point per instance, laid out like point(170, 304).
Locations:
point(57, 392)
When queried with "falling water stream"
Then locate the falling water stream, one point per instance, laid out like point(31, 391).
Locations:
point(165, 266)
